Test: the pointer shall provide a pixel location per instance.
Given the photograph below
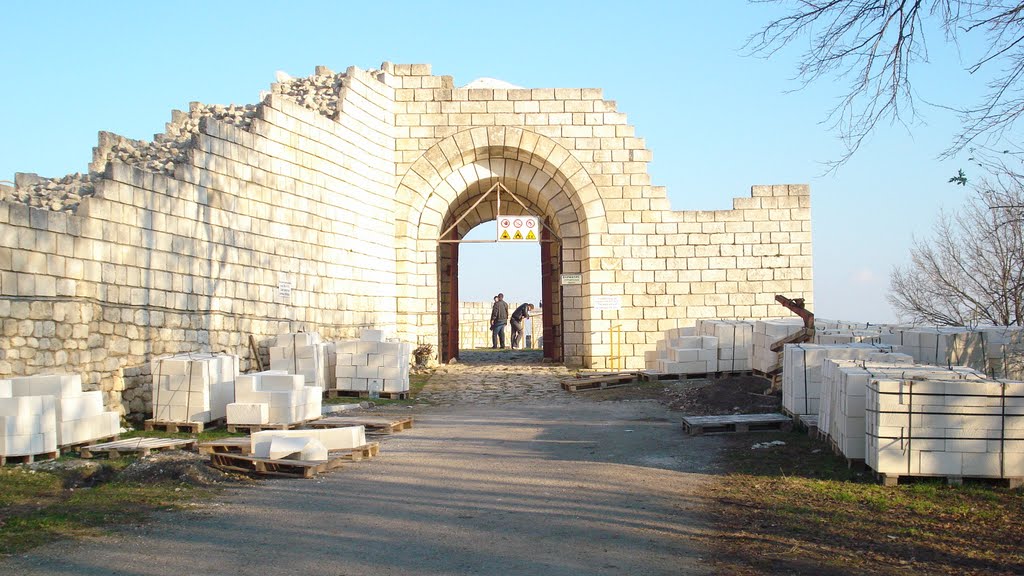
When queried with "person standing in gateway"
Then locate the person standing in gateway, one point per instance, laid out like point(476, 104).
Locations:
point(499, 317)
point(521, 313)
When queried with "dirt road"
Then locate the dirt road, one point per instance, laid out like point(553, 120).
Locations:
point(503, 473)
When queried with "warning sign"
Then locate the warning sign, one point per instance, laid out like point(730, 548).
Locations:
point(518, 228)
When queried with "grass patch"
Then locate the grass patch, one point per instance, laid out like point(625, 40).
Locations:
point(204, 436)
point(799, 509)
point(41, 506)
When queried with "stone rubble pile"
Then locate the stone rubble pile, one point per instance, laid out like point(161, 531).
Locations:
point(57, 194)
point(319, 92)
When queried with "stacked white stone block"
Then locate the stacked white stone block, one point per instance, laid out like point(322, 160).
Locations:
point(768, 332)
point(28, 424)
point(330, 369)
point(942, 346)
point(691, 355)
point(663, 348)
point(951, 427)
point(735, 342)
point(300, 353)
point(372, 364)
point(1004, 351)
point(41, 413)
point(833, 336)
point(803, 366)
point(193, 387)
point(842, 414)
point(273, 397)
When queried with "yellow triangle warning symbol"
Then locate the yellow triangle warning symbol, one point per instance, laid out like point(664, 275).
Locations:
point(530, 235)
point(518, 236)
point(505, 236)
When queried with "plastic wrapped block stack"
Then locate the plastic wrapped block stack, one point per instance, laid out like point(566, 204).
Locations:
point(842, 413)
point(1004, 351)
point(691, 355)
point(943, 346)
point(946, 426)
point(845, 336)
point(768, 332)
point(735, 342)
point(300, 353)
point(330, 369)
point(47, 411)
point(193, 387)
point(803, 366)
point(274, 397)
point(371, 364)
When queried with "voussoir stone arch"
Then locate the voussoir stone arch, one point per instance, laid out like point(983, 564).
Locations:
point(547, 175)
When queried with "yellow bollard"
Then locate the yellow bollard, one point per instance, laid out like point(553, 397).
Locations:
point(615, 343)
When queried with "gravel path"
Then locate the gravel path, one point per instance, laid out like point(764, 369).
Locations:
point(517, 478)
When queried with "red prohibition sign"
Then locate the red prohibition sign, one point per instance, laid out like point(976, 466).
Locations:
point(518, 223)
point(529, 223)
point(505, 223)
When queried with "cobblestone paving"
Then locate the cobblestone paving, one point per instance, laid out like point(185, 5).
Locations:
point(492, 377)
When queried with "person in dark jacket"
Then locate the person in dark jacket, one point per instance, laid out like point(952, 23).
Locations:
point(521, 314)
point(499, 317)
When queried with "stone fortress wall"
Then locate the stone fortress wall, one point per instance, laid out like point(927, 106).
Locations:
point(319, 209)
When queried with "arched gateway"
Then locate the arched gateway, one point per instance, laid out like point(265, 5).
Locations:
point(322, 208)
point(537, 171)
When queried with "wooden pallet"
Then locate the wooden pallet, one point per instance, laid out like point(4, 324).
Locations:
point(598, 382)
point(373, 425)
point(291, 468)
point(652, 376)
point(893, 479)
point(808, 422)
point(233, 445)
point(29, 458)
point(365, 394)
point(733, 373)
point(139, 446)
point(78, 446)
point(190, 427)
point(250, 428)
point(243, 447)
point(695, 425)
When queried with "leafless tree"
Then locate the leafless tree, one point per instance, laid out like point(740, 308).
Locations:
point(875, 44)
point(972, 271)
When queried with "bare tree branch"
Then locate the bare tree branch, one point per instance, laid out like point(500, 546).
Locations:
point(972, 269)
point(875, 45)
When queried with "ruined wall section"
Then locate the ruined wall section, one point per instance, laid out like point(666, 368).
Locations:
point(153, 263)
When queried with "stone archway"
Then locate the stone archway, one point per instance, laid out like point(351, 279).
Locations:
point(474, 207)
point(538, 170)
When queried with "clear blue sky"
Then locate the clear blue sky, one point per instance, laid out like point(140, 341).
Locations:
point(717, 121)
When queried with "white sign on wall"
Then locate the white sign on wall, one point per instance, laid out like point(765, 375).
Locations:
point(284, 290)
point(569, 279)
point(518, 228)
point(607, 302)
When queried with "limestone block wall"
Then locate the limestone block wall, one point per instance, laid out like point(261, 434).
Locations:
point(574, 160)
point(281, 225)
point(320, 208)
